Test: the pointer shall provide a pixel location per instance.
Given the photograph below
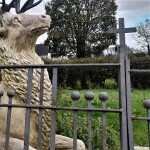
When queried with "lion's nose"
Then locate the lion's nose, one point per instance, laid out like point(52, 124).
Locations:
point(43, 16)
point(45, 19)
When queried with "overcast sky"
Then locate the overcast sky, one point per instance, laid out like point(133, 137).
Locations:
point(133, 11)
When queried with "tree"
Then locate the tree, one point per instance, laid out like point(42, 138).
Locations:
point(143, 32)
point(79, 26)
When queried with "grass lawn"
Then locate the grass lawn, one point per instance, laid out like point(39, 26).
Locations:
point(65, 118)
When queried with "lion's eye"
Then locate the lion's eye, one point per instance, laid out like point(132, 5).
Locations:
point(16, 20)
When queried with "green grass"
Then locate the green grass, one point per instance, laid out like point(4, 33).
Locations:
point(65, 118)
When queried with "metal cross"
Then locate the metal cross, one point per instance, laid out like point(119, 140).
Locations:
point(122, 93)
point(122, 30)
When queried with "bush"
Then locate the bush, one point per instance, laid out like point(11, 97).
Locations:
point(65, 120)
point(87, 78)
point(140, 80)
point(110, 84)
point(84, 78)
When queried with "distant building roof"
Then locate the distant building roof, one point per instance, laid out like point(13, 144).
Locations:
point(41, 49)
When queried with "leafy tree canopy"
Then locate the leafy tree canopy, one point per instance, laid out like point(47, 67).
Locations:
point(143, 32)
point(79, 26)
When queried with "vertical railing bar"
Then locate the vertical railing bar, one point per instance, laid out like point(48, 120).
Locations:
point(0, 100)
point(28, 110)
point(89, 126)
point(1, 89)
point(0, 75)
point(53, 112)
point(120, 114)
point(148, 113)
point(75, 127)
point(40, 110)
point(104, 125)
point(123, 116)
point(8, 124)
point(129, 106)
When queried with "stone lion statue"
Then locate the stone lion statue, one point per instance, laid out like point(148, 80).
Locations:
point(18, 34)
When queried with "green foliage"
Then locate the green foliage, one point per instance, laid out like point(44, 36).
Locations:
point(65, 121)
point(140, 80)
point(85, 78)
point(65, 118)
point(79, 27)
point(103, 77)
point(143, 31)
point(110, 84)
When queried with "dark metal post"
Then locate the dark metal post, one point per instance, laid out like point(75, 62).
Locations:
point(146, 104)
point(53, 113)
point(148, 113)
point(129, 105)
point(122, 92)
point(40, 110)
point(10, 94)
point(28, 110)
point(89, 96)
point(75, 97)
point(122, 88)
point(103, 97)
point(0, 75)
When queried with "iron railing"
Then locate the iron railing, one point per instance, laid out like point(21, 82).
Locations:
point(124, 110)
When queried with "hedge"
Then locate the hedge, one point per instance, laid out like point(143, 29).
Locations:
point(79, 78)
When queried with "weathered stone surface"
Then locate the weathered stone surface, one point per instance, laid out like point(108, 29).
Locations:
point(18, 34)
point(140, 148)
point(15, 144)
point(17, 46)
point(66, 143)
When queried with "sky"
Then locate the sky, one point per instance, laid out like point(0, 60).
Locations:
point(133, 12)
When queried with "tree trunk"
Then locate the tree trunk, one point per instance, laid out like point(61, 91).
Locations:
point(148, 48)
point(81, 48)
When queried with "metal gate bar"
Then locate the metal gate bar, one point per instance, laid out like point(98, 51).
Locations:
point(8, 125)
point(28, 110)
point(130, 117)
point(89, 117)
point(53, 112)
point(40, 110)
point(75, 96)
point(129, 105)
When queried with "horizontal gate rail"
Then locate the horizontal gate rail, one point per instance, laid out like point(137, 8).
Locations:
point(140, 71)
point(63, 108)
point(60, 65)
point(141, 118)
